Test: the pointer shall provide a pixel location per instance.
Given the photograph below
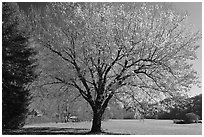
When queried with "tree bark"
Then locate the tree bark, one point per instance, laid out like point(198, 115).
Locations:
point(98, 111)
point(96, 123)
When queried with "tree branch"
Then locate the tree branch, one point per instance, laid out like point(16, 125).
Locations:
point(58, 53)
point(112, 64)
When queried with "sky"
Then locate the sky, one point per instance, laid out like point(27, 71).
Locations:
point(26, 5)
point(195, 11)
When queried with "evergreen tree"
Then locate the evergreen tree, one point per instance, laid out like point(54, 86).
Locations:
point(17, 67)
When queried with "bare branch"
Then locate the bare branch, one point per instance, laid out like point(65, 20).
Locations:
point(58, 53)
point(113, 63)
point(50, 83)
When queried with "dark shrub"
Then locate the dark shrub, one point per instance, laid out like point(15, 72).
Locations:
point(176, 121)
point(191, 118)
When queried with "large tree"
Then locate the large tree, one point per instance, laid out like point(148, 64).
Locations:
point(17, 68)
point(116, 49)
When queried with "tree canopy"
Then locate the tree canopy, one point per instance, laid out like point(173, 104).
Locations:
point(107, 49)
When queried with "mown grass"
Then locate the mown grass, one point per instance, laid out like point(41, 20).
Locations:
point(112, 127)
point(152, 127)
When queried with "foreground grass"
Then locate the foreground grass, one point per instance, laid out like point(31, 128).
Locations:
point(114, 127)
point(152, 127)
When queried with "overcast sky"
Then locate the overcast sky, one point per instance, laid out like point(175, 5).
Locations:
point(195, 11)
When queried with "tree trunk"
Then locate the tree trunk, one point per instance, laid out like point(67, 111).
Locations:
point(96, 123)
point(98, 110)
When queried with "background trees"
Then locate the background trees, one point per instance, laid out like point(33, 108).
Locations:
point(107, 49)
point(17, 68)
point(179, 107)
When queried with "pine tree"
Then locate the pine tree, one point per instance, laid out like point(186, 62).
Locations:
point(17, 68)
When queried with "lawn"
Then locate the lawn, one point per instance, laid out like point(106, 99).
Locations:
point(152, 127)
point(134, 127)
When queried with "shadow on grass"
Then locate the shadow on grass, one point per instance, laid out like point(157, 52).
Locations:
point(54, 131)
